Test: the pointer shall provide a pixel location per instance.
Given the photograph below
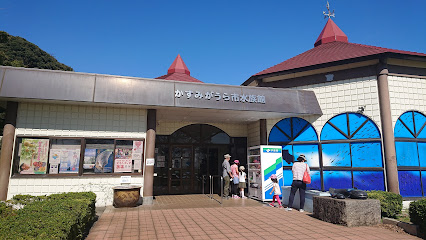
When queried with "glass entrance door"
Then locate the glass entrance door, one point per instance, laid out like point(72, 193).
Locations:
point(181, 170)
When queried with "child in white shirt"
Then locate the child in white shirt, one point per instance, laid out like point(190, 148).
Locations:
point(242, 177)
point(276, 190)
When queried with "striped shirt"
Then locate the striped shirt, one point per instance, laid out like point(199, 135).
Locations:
point(299, 169)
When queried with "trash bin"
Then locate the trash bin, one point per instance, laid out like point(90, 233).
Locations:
point(126, 196)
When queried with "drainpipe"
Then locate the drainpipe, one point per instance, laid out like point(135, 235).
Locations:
point(263, 132)
point(387, 129)
point(7, 148)
point(148, 175)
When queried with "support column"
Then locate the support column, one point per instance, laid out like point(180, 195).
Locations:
point(7, 147)
point(148, 175)
point(387, 129)
point(263, 132)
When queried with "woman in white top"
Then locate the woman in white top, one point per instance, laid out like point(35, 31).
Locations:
point(298, 170)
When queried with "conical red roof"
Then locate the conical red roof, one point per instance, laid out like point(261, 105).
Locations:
point(179, 72)
point(178, 66)
point(331, 33)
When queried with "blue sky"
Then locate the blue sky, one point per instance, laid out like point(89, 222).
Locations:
point(223, 42)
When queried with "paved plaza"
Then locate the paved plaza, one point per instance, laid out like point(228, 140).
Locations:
point(199, 217)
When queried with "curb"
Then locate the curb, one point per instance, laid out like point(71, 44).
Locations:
point(408, 227)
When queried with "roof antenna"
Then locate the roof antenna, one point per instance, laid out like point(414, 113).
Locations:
point(329, 14)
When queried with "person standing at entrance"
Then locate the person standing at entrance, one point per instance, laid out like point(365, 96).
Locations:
point(235, 178)
point(298, 170)
point(227, 175)
point(242, 176)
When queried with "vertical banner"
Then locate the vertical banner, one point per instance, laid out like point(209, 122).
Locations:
point(33, 156)
point(137, 150)
point(272, 163)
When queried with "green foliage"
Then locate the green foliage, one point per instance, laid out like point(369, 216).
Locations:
point(58, 216)
point(391, 203)
point(417, 212)
point(18, 52)
point(5, 210)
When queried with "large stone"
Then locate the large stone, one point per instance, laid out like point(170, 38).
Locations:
point(347, 212)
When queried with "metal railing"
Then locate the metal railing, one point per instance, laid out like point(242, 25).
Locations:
point(211, 187)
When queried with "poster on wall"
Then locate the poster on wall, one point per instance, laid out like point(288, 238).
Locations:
point(137, 150)
point(104, 159)
point(123, 165)
point(89, 158)
point(33, 156)
point(70, 161)
point(161, 161)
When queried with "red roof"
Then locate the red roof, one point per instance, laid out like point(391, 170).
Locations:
point(331, 46)
point(330, 33)
point(178, 72)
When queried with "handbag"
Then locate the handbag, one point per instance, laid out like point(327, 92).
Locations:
point(306, 177)
point(236, 180)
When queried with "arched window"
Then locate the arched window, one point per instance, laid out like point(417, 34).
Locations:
point(410, 145)
point(297, 136)
point(352, 153)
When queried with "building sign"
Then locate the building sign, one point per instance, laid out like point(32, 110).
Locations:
point(217, 96)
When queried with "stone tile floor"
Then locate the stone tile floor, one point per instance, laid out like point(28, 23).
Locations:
point(198, 217)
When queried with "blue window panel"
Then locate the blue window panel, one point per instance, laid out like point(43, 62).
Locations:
point(422, 134)
point(308, 134)
point(407, 118)
point(337, 179)
point(401, 131)
point(277, 136)
point(355, 121)
point(419, 120)
point(424, 182)
point(285, 125)
point(366, 154)
point(330, 133)
point(369, 180)
point(310, 151)
point(369, 130)
point(409, 183)
point(422, 153)
point(341, 122)
point(406, 154)
point(288, 157)
point(288, 177)
point(336, 154)
point(315, 181)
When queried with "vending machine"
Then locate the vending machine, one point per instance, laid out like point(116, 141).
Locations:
point(263, 161)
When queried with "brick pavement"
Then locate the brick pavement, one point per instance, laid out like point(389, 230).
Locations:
point(198, 217)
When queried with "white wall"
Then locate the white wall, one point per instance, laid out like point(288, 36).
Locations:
point(339, 97)
point(406, 94)
point(39, 119)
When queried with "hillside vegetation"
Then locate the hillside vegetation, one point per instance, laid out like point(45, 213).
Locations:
point(18, 52)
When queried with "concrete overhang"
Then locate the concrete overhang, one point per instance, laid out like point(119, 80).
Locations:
point(174, 100)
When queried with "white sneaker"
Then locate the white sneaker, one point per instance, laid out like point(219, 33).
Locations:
point(301, 210)
point(288, 209)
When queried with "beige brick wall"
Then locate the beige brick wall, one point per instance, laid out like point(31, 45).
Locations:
point(232, 129)
point(343, 96)
point(406, 94)
point(253, 138)
point(39, 119)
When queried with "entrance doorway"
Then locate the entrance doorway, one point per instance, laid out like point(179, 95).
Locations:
point(190, 154)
